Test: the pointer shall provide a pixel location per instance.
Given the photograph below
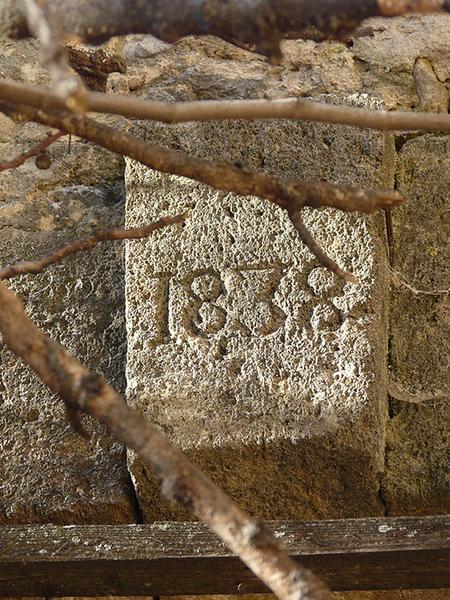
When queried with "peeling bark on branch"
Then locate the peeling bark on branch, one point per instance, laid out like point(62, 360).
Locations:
point(94, 66)
point(83, 391)
point(258, 23)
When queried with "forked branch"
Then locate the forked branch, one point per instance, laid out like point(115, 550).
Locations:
point(81, 390)
point(291, 195)
point(100, 235)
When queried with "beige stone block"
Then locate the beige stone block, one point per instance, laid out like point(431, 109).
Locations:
point(264, 367)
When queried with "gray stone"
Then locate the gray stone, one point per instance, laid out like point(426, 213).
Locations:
point(367, 64)
point(138, 47)
point(260, 364)
point(417, 478)
point(47, 472)
point(186, 69)
point(387, 50)
point(22, 61)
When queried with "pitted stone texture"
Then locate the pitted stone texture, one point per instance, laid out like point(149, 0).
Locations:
point(206, 67)
point(417, 479)
point(21, 61)
point(259, 363)
point(47, 472)
point(387, 50)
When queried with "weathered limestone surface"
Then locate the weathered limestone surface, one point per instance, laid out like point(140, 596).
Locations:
point(367, 64)
point(265, 368)
point(47, 472)
point(417, 478)
point(386, 52)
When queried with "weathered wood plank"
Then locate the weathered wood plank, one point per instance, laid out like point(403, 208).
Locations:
point(185, 558)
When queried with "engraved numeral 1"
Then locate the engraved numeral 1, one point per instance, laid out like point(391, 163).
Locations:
point(160, 295)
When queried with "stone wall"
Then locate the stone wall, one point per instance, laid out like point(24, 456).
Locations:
point(417, 478)
point(47, 472)
point(304, 397)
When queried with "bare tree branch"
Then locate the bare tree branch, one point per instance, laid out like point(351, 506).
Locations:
point(286, 193)
point(309, 241)
point(206, 110)
point(83, 391)
point(100, 235)
point(258, 23)
point(35, 151)
point(43, 25)
point(291, 195)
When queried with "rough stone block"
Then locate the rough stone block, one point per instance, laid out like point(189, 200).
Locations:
point(260, 364)
point(417, 479)
point(206, 67)
point(387, 51)
point(47, 472)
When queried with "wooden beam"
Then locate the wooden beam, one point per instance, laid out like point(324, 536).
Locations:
point(185, 558)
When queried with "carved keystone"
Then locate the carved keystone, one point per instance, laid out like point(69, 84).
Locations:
point(263, 366)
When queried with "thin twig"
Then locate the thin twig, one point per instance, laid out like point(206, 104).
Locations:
point(399, 280)
point(100, 235)
point(309, 241)
point(289, 194)
point(389, 235)
point(181, 480)
point(35, 151)
point(206, 110)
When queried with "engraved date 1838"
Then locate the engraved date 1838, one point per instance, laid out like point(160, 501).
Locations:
point(212, 301)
